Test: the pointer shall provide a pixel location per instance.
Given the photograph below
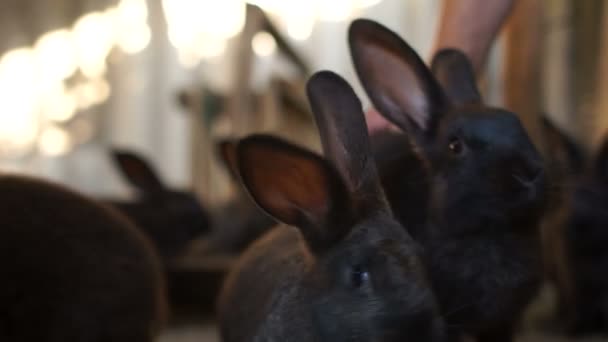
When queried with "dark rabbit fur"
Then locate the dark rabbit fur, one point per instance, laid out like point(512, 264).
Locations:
point(171, 218)
point(565, 164)
point(486, 183)
point(586, 236)
point(74, 270)
point(345, 270)
point(584, 231)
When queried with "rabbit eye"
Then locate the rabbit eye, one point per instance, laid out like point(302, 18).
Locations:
point(359, 277)
point(456, 146)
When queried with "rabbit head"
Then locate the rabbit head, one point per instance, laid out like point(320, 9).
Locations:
point(483, 164)
point(170, 217)
point(362, 279)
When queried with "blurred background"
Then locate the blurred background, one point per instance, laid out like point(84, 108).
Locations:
point(169, 78)
point(166, 78)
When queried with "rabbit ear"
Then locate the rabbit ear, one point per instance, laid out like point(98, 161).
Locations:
point(295, 186)
point(397, 81)
point(344, 136)
point(227, 152)
point(137, 171)
point(455, 73)
point(561, 148)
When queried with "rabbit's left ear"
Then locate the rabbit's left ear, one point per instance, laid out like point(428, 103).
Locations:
point(454, 72)
point(397, 81)
point(227, 152)
point(137, 171)
point(561, 148)
point(295, 186)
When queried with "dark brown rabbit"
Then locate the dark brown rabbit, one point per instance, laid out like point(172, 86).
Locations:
point(486, 182)
point(341, 269)
point(74, 270)
point(171, 218)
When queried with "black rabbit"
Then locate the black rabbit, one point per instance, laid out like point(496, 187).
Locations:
point(74, 270)
point(349, 272)
point(586, 236)
point(486, 183)
point(565, 164)
point(583, 284)
point(171, 218)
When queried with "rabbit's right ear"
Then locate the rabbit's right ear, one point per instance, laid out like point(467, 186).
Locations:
point(137, 171)
point(455, 74)
point(561, 148)
point(227, 152)
point(344, 136)
point(295, 186)
point(399, 84)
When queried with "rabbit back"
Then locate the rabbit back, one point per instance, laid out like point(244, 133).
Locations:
point(75, 270)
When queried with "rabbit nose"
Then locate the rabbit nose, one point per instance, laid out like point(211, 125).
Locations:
point(528, 175)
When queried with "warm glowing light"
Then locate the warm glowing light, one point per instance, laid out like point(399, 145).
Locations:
point(335, 10)
point(81, 130)
point(91, 93)
point(134, 41)
point(33, 80)
point(59, 105)
point(211, 47)
point(19, 72)
point(299, 17)
point(221, 18)
point(367, 3)
point(133, 33)
point(300, 29)
point(17, 132)
point(93, 39)
point(54, 141)
point(18, 115)
point(56, 56)
point(187, 59)
point(263, 44)
point(133, 11)
point(199, 28)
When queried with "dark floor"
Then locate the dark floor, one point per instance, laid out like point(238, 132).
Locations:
point(191, 331)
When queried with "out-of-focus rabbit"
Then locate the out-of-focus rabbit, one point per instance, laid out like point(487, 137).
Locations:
point(565, 163)
point(582, 235)
point(171, 218)
point(74, 270)
point(486, 182)
point(345, 270)
point(586, 237)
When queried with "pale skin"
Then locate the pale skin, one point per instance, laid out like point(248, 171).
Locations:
point(467, 25)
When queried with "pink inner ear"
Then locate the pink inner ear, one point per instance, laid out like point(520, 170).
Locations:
point(292, 186)
point(376, 122)
point(399, 86)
